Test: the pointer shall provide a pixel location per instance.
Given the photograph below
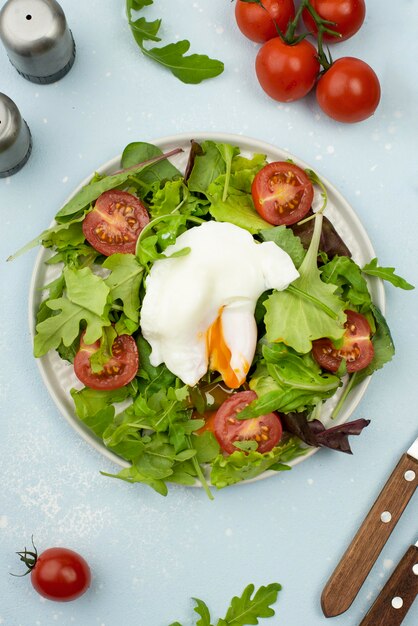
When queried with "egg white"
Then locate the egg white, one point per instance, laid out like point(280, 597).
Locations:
point(198, 309)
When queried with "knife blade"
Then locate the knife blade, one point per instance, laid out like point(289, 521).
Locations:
point(397, 596)
point(360, 556)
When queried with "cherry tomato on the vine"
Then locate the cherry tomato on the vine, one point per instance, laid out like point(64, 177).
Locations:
point(266, 430)
point(287, 72)
point(357, 349)
point(349, 91)
point(117, 372)
point(347, 15)
point(115, 222)
point(57, 574)
point(257, 23)
point(282, 193)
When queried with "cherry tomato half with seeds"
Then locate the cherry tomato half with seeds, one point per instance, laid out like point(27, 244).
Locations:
point(349, 91)
point(357, 349)
point(347, 15)
point(266, 430)
point(287, 72)
point(257, 23)
point(115, 222)
point(282, 193)
point(57, 574)
point(117, 372)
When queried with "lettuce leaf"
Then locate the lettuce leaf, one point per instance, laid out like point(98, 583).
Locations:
point(298, 318)
point(241, 465)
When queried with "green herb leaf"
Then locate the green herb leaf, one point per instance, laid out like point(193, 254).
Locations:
point(287, 241)
point(139, 152)
point(240, 465)
point(124, 282)
point(85, 300)
point(343, 272)
point(386, 273)
point(192, 68)
point(383, 345)
point(247, 609)
point(90, 192)
point(201, 609)
point(296, 321)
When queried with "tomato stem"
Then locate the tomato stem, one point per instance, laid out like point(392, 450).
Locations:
point(322, 26)
point(29, 558)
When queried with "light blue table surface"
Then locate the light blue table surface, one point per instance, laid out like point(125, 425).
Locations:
point(149, 555)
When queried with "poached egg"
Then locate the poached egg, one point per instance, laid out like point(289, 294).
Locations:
point(198, 309)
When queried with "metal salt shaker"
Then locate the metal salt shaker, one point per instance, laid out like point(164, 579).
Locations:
point(15, 138)
point(37, 39)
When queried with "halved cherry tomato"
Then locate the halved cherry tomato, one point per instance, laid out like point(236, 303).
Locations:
point(347, 15)
point(266, 430)
point(282, 193)
point(257, 23)
point(357, 349)
point(115, 222)
point(287, 72)
point(118, 371)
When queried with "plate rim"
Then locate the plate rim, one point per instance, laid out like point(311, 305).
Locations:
point(257, 145)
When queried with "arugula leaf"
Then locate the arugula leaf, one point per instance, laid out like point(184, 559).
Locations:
point(244, 610)
point(90, 402)
point(201, 609)
point(100, 357)
point(293, 319)
point(95, 188)
point(206, 446)
point(343, 272)
point(192, 69)
point(85, 300)
point(124, 282)
point(386, 273)
point(247, 609)
point(240, 465)
point(285, 382)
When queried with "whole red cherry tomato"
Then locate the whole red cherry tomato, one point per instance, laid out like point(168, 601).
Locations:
point(257, 23)
point(349, 91)
point(57, 574)
point(287, 72)
point(347, 15)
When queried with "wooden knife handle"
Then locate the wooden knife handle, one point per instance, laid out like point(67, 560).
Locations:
point(359, 558)
point(397, 596)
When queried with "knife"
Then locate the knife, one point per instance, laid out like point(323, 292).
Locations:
point(360, 556)
point(398, 595)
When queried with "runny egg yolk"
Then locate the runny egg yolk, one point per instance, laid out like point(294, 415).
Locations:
point(220, 355)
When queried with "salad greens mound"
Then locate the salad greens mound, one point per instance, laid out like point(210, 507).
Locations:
point(156, 422)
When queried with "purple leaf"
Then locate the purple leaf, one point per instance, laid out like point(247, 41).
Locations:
point(315, 434)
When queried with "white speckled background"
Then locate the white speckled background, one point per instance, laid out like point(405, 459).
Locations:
point(148, 554)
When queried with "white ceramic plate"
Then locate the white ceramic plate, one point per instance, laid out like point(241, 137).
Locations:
point(58, 375)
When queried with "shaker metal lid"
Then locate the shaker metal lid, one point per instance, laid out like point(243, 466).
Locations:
point(15, 138)
point(37, 39)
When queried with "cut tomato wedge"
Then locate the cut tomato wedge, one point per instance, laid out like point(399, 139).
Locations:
point(282, 193)
point(357, 349)
point(115, 222)
point(266, 430)
point(117, 372)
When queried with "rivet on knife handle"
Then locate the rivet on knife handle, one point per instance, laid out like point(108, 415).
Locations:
point(359, 558)
point(397, 596)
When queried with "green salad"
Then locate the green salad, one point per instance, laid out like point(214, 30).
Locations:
point(319, 332)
